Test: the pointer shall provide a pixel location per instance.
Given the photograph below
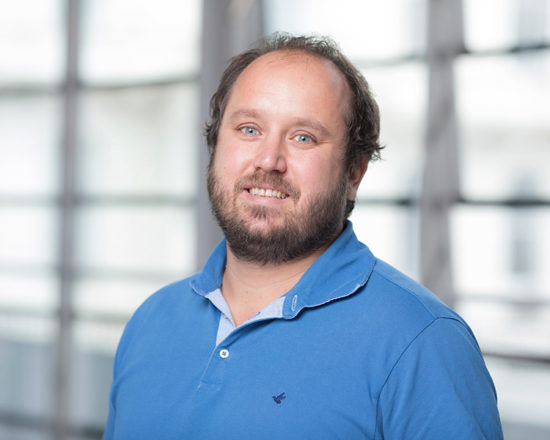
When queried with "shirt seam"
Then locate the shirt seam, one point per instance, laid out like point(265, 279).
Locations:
point(406, 349)
point(410, 292)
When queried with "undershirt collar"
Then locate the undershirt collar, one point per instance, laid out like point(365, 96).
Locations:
point(226, 325)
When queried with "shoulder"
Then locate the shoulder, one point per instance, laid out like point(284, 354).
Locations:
point(434, 361)
point(405, 296)
point(159, 311)
point(404, 315)
point(168, 297)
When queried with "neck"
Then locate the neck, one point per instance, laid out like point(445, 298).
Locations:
point(248, 287)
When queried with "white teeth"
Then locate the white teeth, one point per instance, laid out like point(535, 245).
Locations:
point(267, 193)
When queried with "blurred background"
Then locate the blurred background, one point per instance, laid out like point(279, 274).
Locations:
point(102, 105)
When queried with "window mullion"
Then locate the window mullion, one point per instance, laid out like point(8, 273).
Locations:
point(440, 180)
point(67, 211)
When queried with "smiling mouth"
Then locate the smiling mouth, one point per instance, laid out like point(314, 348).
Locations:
point(267, 193)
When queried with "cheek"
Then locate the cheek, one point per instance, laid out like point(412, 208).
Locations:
point(318, 173)
point(231, 157)
point(220, 165)
point(224, 162)
point(230, 169)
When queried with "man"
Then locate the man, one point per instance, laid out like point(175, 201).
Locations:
point(293, 329)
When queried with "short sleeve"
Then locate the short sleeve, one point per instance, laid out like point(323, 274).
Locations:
point(439, 389)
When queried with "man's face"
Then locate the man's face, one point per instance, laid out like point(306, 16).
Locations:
point(277, 182)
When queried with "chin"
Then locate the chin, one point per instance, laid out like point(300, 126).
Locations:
point(264, 225)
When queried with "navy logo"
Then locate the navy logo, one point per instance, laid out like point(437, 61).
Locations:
point(279, 398)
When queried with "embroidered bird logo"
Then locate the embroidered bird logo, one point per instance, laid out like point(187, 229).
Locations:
point(279, 398)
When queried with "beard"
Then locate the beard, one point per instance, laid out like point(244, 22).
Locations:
point(299, 234)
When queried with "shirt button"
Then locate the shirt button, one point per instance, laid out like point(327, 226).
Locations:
point(224, 353)
point(294, 302)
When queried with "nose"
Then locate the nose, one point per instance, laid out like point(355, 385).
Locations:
point(271, 155)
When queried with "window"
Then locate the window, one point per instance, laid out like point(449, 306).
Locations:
point(98, 188)
point(499, 218)
point(500, 230)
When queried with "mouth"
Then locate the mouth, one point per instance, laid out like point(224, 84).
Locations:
point(262, 192)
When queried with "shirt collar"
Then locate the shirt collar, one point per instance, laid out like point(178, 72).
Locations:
point(339, 272)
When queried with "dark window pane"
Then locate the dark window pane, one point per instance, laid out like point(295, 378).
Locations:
point(94, 347)
point(26, 376)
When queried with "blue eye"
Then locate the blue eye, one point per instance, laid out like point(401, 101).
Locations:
point(249, 131)
point(303, 139)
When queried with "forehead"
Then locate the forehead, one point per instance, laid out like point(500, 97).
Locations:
point(297, 58)
point(307, 77)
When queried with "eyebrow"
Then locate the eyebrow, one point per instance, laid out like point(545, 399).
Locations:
point(302, 122)
point(244, 113)
point(314, 125)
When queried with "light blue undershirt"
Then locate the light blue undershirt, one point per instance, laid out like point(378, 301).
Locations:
point(273, 310)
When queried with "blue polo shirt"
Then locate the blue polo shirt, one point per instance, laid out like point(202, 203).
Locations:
point(355, 350)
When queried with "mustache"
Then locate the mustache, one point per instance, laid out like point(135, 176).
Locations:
point(273, 179)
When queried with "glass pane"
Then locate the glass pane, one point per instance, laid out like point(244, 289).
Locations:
point(503, 110)
point(523, 398)
point(499, 24)
point(364, 29)
point(127, 40)
point(508, 328)
point(27, 329)
point(95, 345)
point(391, 233)
point(402, 130)
point(37, 292)
point(30, 145)
point(119, 297)
point(147, 239)
point(22, 433)
point(502, 252)
point(26, 376)
point(31, 41)
point(99, 338)
point(28, 236)
point(139, 141)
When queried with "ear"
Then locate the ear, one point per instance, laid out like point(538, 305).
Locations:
point(355, 174)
